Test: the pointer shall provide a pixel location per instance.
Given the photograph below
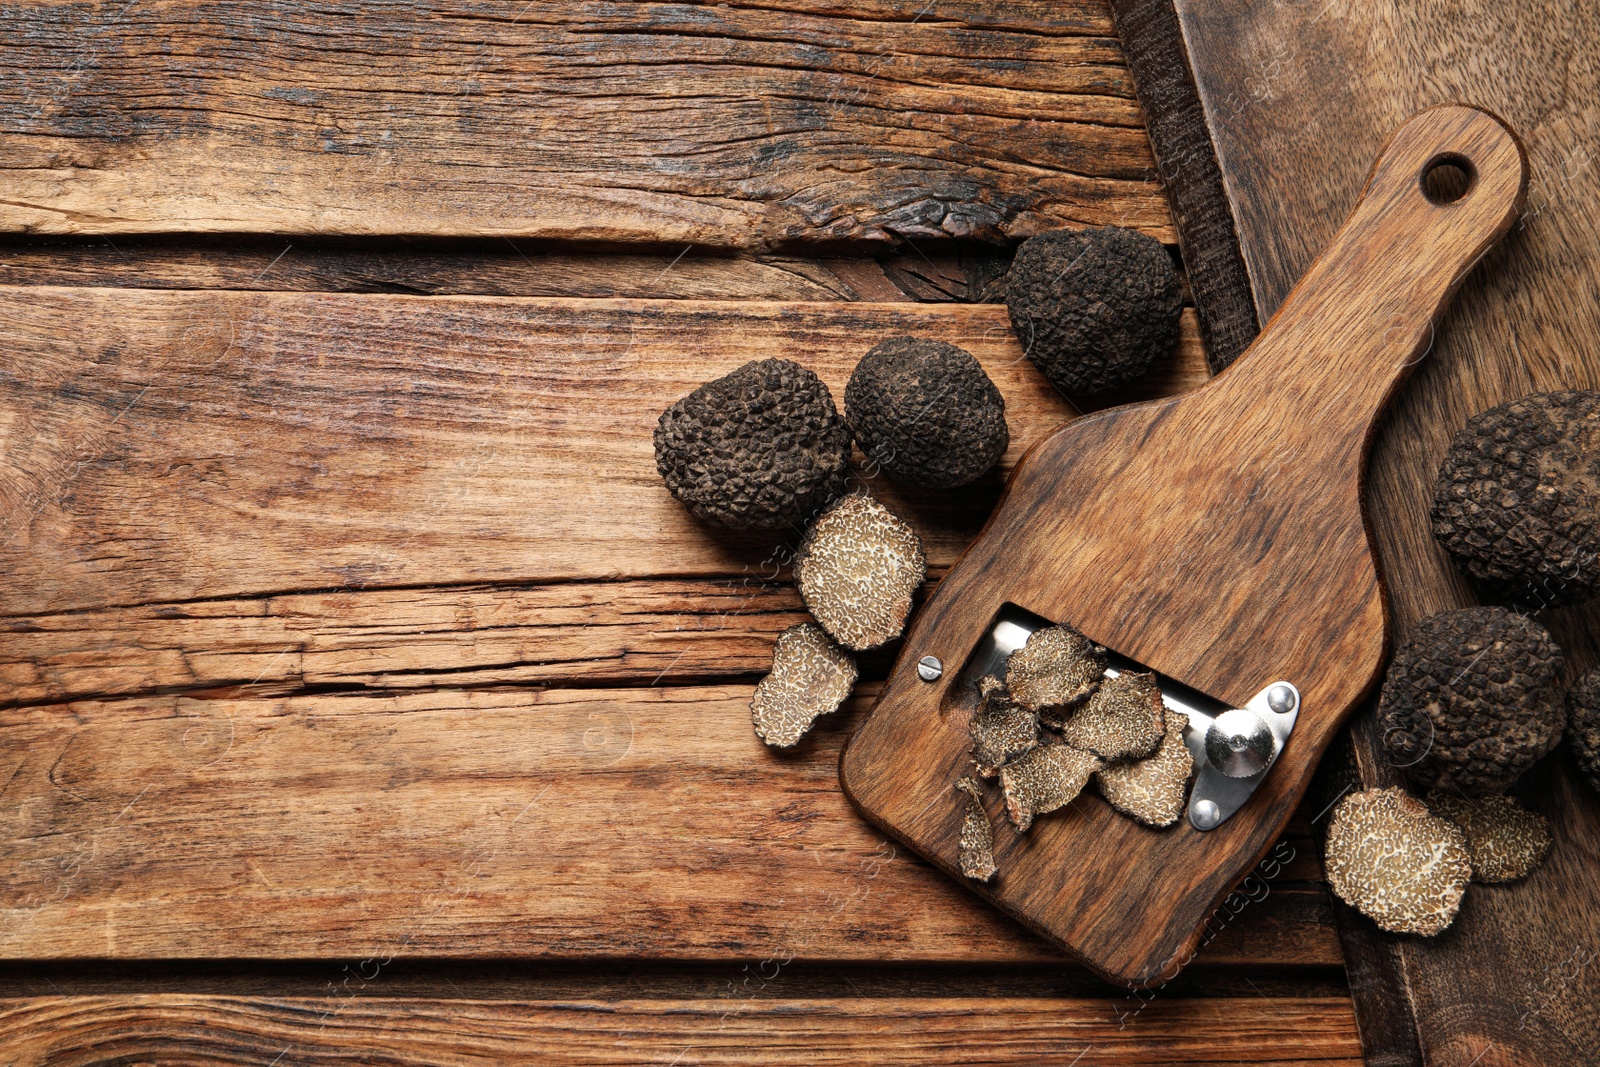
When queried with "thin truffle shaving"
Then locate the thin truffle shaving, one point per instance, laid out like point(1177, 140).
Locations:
point(1124, 719)
point(1505, 840)
point(976, 848)
point(1001, 729)
point(810, 676)
point(857, 569)
point(1048, 777)
point(1152, 790)
point(1399, 864)
point(1057, 668)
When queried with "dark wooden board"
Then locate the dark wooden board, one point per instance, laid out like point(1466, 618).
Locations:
point(1295, 97)
point(725, 125)
point(1217, 538)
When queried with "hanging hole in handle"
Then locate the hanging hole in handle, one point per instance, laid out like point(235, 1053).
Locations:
point(1448, 178)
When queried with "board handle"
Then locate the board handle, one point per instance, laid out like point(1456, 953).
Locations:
point(1444, 190)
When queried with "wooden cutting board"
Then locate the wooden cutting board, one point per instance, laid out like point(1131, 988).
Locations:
point(1262, 117)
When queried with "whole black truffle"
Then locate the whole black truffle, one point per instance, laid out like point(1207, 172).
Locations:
point(926, 413)
point(1583, 727)
point(1094, 309)
point(1472, 700)
point(1518, 499)
point(758, 449)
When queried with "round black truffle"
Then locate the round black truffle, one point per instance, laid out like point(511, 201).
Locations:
point(1094, 309)
point(1518, 499)
point(926, 413)
point(759, 449)
point(1583, 724)
point(1472, 700)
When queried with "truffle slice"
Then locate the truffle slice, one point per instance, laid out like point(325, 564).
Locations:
point(857, 569)
point(810, 676)
point(1583, 730)
point(1472, 699)
point(976, 850)
point(1400, 865)
point(1518, 497)
point(1001, 729)
point(758, 449)
point(1152, 790)
point(1056, 668)
point(1094, 309)
point(1049, 776)
point(926, 413)
point(1124, 719)
point(1505, 841)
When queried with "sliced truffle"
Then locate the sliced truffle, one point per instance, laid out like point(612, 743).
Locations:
point(1124, 719)
point(1583, 730)
point(757, 449)
point(1152, 790)
point(1400, 865)
point(1094, 309)
point(926, 413)
point(810, 676)
point(1049, 776)
point(1518, 499)
point(1504, 840)
point(1001, 729)
point(857, 569)
point(1056, 668)
point(976, 849)
point(1472, 700)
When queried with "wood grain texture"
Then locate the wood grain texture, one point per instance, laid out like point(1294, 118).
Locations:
point(79, 1031)
point(1187, 162)
point(733, 126)
point(631, 823)
point(162, 447)
point(1217, 538)
point(932, 271)
point(1514, 980)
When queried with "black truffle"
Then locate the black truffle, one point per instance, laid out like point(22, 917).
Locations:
point(1094, 309)
point(758, 449)
point(926, 413)
point(1518, 499)
point(1583, 728)
point(1472, 700)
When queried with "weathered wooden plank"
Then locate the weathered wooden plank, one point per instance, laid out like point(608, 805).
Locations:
point(163, 446)
point(733, 126)
point(510, 822)
point(180, 1029)
point(1513, 980)
point(927, 271)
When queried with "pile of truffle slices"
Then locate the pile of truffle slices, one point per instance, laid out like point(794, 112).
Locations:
point(764, 448)
point(1473, 699)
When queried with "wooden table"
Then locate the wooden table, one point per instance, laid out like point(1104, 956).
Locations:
point(367, 697)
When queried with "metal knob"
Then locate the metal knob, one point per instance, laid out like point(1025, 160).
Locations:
point(1239, 743)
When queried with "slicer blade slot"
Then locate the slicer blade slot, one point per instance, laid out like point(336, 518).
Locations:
point(1233, 748)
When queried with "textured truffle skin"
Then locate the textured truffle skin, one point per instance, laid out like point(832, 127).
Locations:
point(1094, 309)
point(975, 849)
point(1402, 866)
point(1056, 668)
point(1518, 499)
point(1001, 729)
point(1583, 729)
point(926, 413)
point(1472, 700)
point(1152, 790)
point(1048, 777)
point(757, 449)
point(1124, 719)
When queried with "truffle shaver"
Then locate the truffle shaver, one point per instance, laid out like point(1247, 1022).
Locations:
point(1217, 538)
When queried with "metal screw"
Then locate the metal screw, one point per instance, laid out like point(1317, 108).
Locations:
point(929, 669)
point(1205, 814)
point(1280, 698)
